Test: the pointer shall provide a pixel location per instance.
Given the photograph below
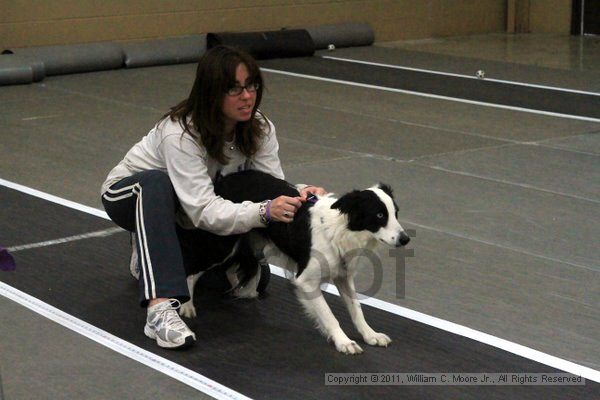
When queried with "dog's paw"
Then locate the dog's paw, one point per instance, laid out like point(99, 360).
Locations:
point(187, 310)
point(378, 339)
point(348, 347)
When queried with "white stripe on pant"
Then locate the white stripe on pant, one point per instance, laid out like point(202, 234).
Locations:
point(147, 271)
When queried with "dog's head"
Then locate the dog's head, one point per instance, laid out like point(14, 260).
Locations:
point(373, 210)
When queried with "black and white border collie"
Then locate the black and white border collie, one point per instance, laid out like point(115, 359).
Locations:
point(316, 246)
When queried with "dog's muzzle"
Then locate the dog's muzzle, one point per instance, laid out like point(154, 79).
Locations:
point(402, 240)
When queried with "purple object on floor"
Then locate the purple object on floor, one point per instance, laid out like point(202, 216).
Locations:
point(7, 262)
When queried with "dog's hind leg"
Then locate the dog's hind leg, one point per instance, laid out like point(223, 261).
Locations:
point(232, 276)
point(245, 277)
point(187, 309)
point(248, 290)
point(309, 293)
point(345, 285)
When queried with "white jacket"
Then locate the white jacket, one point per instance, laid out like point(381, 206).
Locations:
point(192, 172)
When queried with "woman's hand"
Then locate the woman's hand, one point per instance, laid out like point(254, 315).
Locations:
point(305, 192)
point(283, 208)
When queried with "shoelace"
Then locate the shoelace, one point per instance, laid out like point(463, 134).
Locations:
point(172, 318)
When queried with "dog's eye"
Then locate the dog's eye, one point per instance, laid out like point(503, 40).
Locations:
point(380, 215)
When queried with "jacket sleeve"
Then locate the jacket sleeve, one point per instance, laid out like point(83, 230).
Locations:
point(186, 166)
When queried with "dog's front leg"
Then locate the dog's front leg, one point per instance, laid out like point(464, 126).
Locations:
point(345, 285)
point(310, 295)
point(187, 309)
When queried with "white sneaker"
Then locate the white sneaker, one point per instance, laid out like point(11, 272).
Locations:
point(164, 324)
point(134, 267)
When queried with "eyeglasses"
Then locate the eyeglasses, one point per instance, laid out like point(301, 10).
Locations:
point(237, 90)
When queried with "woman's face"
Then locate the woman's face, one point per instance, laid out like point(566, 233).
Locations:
point(239, 108)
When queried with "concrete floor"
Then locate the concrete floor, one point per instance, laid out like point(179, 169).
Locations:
point(505, 204)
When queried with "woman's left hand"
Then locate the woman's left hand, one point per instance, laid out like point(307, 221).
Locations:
point(316, 190)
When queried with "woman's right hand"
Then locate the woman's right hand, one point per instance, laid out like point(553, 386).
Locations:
point(283, 208)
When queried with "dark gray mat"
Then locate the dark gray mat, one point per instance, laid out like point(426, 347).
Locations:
point(261, 348)
point(464, 88)
point(25, 219)
point(580, 79)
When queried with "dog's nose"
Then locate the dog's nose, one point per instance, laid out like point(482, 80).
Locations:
point(403, 239)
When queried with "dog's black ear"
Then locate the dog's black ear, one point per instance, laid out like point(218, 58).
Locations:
point(353, 205)
point(346, 203)
point(386, 188)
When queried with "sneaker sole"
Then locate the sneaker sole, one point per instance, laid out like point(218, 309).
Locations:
point(189, 340)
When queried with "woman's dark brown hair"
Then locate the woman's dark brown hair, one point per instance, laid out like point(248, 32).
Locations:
point(200, 115)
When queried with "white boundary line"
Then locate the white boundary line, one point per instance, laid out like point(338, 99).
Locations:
point(74, 238)
point(433, 96)
point(511, 347)
point(434, 72)
point(174, 370)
